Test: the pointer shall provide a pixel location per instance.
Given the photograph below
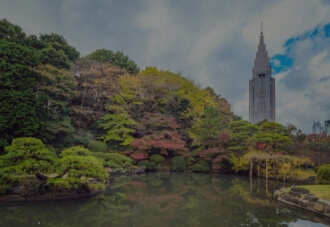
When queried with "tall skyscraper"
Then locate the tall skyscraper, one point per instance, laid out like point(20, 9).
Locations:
point(327, 127)
point(261, 87)
point(317, 128)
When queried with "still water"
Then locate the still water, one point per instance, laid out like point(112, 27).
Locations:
point(167, 199)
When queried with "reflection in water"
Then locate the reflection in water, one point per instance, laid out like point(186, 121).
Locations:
point(166, 199)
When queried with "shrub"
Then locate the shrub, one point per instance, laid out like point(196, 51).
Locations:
point(97, 146)
point(189, 161)
point(201, 166)
point(25, 156)
point(323, 173)
point(126, 165)
point(178, 164)
point(157, 158)
point(76, 150)
point(79, 166)
point(7, 181)
point(82, 139)
point(113, 165)
point(28, 156)
point(148, 165)
point(114, 157)
point(119, 158)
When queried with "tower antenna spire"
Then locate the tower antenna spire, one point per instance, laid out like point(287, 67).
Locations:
point(261, 26)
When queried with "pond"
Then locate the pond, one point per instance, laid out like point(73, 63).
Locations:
point(167, 199)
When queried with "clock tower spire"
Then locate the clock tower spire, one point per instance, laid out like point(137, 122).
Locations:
point(261, 86)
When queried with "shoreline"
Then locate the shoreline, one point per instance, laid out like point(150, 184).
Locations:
point(17, 196)
point(301, 198)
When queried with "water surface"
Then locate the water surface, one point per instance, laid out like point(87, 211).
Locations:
point(167, 199)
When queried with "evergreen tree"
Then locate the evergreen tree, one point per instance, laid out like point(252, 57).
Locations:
point(21, 110)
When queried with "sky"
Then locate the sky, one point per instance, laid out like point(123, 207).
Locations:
point(212, 42)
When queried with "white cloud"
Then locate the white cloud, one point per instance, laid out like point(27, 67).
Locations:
point(276, 62)
point(316, 61)
point(303, 92)
point(286, 18)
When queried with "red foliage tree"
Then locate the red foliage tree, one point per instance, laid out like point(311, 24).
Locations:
point(160, 135)
point(158, 121)
point(216, 164)
point(161, 140)
point(139, 155)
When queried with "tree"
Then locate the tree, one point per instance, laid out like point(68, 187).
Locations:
point(97, 87)
point(28, 155)
point(160, 135)
point(267, 164)
point(271, 134)
point(57, 86)
point(21, 110)
point(25, 156)
point(76, 168)
point(297, 138)
point(117, 59)
point(240, 134)
point(118, 128)
point(57, 58)
point(176, 85)
point(11, 32)
point(59, 43)
point(209, 127)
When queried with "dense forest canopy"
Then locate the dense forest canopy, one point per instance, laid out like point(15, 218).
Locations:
point(103, 102)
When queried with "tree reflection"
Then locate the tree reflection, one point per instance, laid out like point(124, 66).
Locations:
point(162, 199)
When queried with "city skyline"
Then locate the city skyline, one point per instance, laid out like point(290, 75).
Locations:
point(210, 42)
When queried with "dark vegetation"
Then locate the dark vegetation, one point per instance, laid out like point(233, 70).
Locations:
point(323, 173)
point(126, 118)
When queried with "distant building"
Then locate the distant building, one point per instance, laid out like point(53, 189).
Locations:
point(317, 128)
point(327, 127)
point(261, 87)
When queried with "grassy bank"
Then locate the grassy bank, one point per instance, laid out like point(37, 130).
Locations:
point(321, 191)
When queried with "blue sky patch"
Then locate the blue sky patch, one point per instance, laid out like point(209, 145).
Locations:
point(327, 30)
point(280, 63)
point(283, 62)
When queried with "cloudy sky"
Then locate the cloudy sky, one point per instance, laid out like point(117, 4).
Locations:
point(212, 42)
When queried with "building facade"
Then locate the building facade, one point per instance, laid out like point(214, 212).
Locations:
point(261, 87)
point(317, 128)
point(327, 127)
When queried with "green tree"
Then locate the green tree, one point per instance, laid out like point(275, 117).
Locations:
point(118, 128)
point(273, 134)
point(76, 167)
point(57, 58)
point(240, 134)
point(28, 155)
point(25, 156)
point(11, 32)
point(21, 110)
point(59, 43)
point(297, 138)
point(117, 58)
point(209, 127)
point(57, 86)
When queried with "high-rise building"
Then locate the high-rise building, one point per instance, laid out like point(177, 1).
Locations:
point(317, 128)
point(261, 87)
point(327, 127)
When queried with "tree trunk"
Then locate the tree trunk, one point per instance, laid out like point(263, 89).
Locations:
point(251, 168)
point(258, 169)
point(266, 171)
